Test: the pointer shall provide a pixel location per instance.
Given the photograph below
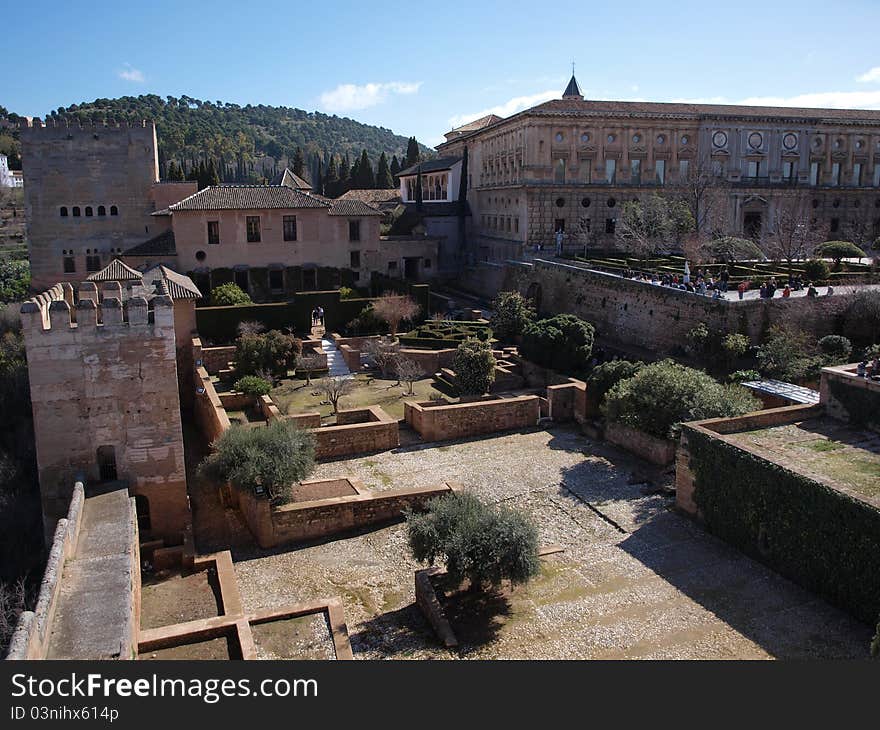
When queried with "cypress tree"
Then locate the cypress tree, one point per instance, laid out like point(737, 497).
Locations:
point(344, 176)
point(331, 179)
point(395, 169)
point(419, 187)
point(365, 179)
point(298, 162)
point(383, 174)
point(412, 153)
point(211, 176)
point(318, 177)
point(354, 175)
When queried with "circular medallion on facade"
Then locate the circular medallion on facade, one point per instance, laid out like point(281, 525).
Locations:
point(837, 144)
point(559, 137)
point(661, 139)
point(836, 203)
point(560, 202)
point(755, 140)
point(201, 255)
point(611, 202)
point(684, 139)
point(610, 138)
point(585, 137)
point(817, 142)
point(719, 139)
point(859, 144)
point(789, 141)
point(585, 202)
point(637, 138)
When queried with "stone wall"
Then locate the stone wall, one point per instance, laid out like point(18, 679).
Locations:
point(215, 359)
point(652, 317)
point(104, 389)
point(358, 431)
point(210, 414)
point(849, 398)
point(650, 448)
point(31, 636)
point(300, 521)
point(438, 422)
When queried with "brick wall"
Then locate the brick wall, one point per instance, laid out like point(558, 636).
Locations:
point(358, 431)
point(444, 422)
point(209, 412)
point(850, 398)
point(215, 359)
point(299, 521)
point(650, 448)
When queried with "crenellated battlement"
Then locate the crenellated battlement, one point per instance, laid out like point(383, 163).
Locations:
point(89, 126)
point(58, 310)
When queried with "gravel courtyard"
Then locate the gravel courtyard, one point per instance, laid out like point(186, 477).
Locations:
point(635, 580)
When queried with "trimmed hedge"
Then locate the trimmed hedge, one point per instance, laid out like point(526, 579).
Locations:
point(821, 538)
point(440, 334)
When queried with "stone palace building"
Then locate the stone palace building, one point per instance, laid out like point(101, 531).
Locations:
point(570, 163)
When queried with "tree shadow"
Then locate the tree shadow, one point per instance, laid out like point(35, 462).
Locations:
point(394, 634)
point(476, 616)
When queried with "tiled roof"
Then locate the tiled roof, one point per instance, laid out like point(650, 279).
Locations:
point(441, 163)
point(291, 180)
point(247, 197)
point(164, 211)
point(374, 196)
point(698, 110)
point(168, 281)
point(161, 245)
point(352, 207)
point(789, 391)
point(116, 270)
point(478, 123)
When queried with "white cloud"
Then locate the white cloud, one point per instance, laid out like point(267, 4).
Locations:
point(349, 97)
point(817, 100)
point(870, 76)
point(131, 74)
point(511, 106)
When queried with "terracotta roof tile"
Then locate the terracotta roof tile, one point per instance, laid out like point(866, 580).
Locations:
point(247, 197)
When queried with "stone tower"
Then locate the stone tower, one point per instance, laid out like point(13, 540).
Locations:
point(103, 379)
point(88, 195)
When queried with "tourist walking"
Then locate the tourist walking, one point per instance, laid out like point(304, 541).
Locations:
point(321, 316)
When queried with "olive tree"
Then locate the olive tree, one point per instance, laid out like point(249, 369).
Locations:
point(482, 543)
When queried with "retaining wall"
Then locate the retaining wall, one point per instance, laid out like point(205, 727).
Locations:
point(439, 422)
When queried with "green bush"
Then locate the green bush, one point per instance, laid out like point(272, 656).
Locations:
point(816, 270)
point(562, 343)
point(253, 385)
point(366, 323)
point(735, 346)
point(511, 313)
point(836, 349)
point(272, 353)
point(838, 250)
point(663, 395)
point(479, 542)
point(229, 294)
point(744, 376)
point(346, 292)
point(265, 461)
point(605, 376)
point(15, 278)
point(474, 366)
point(862, 319)
point(788, 354)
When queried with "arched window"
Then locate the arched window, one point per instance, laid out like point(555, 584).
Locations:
point(76, 211)
point(64, 211)
point(114, 210)
point(102, 210)
point(88, 211)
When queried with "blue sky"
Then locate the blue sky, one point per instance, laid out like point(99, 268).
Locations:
point(419, 68)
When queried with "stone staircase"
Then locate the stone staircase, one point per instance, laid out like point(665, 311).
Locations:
point(335, 362)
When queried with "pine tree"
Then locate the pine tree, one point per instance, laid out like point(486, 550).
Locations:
point(383, 174)
point(413, 155)
point(298, 162)
point(395, 169)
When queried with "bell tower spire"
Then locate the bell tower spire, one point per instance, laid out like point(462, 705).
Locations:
point(572, 91)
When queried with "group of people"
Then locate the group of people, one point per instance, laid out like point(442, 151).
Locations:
point(318, 317)
point(869, 370)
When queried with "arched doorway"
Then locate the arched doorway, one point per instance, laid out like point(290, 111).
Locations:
point(533, 293)
point(106, 456)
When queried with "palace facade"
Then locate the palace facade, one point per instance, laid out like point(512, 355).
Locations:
point(571, 163)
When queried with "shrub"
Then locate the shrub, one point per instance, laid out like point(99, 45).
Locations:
point(816, 270)
point(788, 354)
point(253, 386)
point(227, 294)
point(15, 278)
point(346, 292)
point(479, 542)
point(605, 376)
point(663, 395)
point(862, 318)
point(366, 323)
point(474, 366)
point(563, 343)
point(511, 313)
point(735, 346)
point(838, 250)
point(265, 461)
point(872, 352)
point(273, 352)
point(744, 376)
point(836, 349)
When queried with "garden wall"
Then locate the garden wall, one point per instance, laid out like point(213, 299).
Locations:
point(650, 448)
point(210, 415)
point(300, 521)
point(358, 431)
point(439, 422)
point(649, 316)
point(215, 359)
point(819, 537)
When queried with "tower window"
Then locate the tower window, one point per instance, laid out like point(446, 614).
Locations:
point(114, 210)
point(69, 263)
point(64, 211)
point(102, 211)
point(89, 211)
point(76, 211)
